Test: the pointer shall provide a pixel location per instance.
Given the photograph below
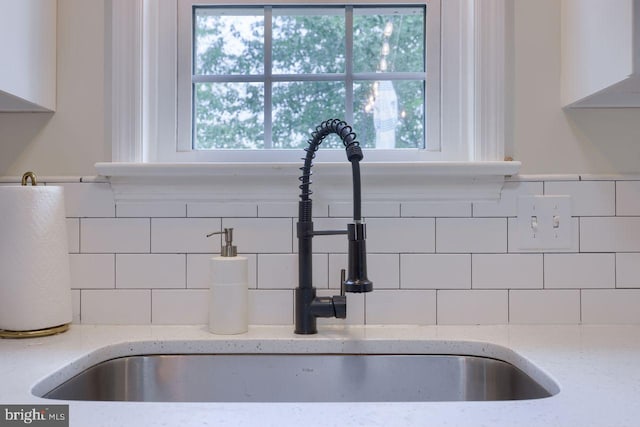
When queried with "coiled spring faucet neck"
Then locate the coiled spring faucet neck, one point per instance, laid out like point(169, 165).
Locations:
point(354, 155)
point(308, 306)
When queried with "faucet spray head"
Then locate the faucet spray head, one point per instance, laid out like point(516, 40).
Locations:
point(357, 280)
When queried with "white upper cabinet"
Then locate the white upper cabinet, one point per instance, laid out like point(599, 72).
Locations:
point(601, 53)
point(28, 55)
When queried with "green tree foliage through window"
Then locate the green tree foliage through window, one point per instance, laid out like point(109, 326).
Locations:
point(319, 61)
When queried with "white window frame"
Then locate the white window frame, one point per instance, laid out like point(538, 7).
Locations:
point(142, 109)
point(180, 150)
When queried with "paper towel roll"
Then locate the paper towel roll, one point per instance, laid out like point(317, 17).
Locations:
point(35, 285)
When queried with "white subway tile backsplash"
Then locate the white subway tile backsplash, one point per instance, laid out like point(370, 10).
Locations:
point(110, 235)
point(588, 198)
point(327, 244)
point(92, 271)
point(73, 234)
point(278, 209)
point(180, 307)
point(339, 262)
point(280, 271)
point(435, 271)
point(610, 234)
point(344, 210)
point(436, 209)
point(89, 200)
point(628, 270)
point(185, 235)
point(398, 307)
point(75, 306)
point(221, 209)
point(320, 209)
point(320, 270)
point(369, 209)
point(544, 306)
point(430, 262)
point(471, 235)
point(579, 271)
point(198, 266)
point(156, 209)
point(473, 307)
point(116, 306)
point(382, 270)
point(507, 206)
point(506, 271)
point(151, 271)
point(277, 271)
point(198, 270)
point(260, 235)
point(602, 306)
point(514, 238)
point(627, 198)
point(270, 307)
point(397, 235)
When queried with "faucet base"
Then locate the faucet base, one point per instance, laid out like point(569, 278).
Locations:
point(314, 307)
point(305, 320)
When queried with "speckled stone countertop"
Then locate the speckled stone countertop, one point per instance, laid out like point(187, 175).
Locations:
point(597, 369)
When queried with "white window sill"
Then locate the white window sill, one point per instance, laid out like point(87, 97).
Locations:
point(406, 181)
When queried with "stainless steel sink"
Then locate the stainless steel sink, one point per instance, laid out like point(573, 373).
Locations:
point(300, 378)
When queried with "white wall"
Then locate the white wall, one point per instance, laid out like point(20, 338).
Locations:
point(71, 140)
point(547, 139)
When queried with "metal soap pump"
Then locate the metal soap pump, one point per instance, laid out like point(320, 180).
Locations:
point(228, 249)
point(228, 284)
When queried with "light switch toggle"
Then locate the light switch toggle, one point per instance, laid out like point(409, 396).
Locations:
point(544, 222)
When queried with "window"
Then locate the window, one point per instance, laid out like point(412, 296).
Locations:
point(465, 107)
point(262, 77)
point(460, 91)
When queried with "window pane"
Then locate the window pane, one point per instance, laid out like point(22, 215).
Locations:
point(228, 115)
point(298, 107)
point(388, 39)
point(308, 45)
point(228, 41)
point(308, 41)
point(389, 114)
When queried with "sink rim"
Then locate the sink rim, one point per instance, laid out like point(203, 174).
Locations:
point(316, 346)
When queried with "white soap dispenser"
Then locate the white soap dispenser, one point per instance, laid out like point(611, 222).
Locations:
point(228, 294)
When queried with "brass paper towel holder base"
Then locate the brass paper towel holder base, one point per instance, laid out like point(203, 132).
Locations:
point(35, 333)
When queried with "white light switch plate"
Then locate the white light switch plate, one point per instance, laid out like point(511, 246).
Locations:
point(544, 222)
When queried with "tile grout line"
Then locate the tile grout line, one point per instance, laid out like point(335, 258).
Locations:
point(437, 292)
point(151, 306)
point(580, 305)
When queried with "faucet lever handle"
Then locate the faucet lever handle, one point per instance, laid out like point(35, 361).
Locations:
point(343, 277)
